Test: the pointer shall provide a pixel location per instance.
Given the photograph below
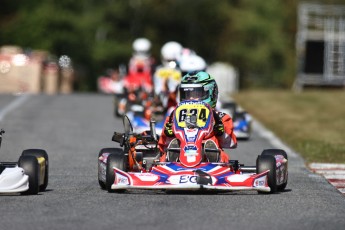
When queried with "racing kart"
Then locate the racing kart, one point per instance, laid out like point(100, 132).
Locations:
point(241, 119)
point(28, 176)
point(124, 102)
point(140, 117)
point(192, 161)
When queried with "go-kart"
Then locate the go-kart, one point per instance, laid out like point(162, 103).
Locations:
point(124, 102)
point(192, 161)
point(140, 117)
point(28, 176)
point(241, 119)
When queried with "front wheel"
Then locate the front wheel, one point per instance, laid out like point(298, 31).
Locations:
point(274, 152)
point(267, 162)
point(101, 170)
point(116, 159)
point(42, 158)
point(31, 168)
point(102, 167)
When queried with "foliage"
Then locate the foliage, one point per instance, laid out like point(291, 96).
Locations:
point(257, 37)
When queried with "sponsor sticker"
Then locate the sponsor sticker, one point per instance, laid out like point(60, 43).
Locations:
point(147, 177)
point(121, 179)
point(191, 151)
point(260, 182)
point(183, 179)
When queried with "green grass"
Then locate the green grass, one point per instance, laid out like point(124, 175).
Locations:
point(311, 122)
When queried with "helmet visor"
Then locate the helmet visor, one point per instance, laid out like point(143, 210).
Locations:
point(193, 93)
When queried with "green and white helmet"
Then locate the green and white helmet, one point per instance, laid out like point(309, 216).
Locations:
point(199, 86)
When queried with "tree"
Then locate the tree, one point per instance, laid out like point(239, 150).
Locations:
point(257, 37)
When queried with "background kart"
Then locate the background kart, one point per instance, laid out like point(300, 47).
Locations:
point(137, 166)
point(27, 176)
point(141, 124)
point(241, 119)
point(126, 101)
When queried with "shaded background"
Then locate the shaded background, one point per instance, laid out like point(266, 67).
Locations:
point(257, 37)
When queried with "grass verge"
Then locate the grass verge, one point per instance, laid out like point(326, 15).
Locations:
point(311, 122)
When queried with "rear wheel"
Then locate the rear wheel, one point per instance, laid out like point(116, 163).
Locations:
point(117, 159)
point(31, 168)
point(267, 162)
point(273, 152)
point(40, 153)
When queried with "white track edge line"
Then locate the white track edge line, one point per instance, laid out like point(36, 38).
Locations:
point(13, 105)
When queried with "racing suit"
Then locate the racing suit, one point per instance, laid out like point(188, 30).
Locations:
point(223, 136)
point(166, 80)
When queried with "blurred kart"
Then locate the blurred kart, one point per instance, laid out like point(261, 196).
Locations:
point(137, 85)
point(28, 176)
point(241, 119)
point(192, 162)
point(141, 116)
point(133, 95)
point(108, 85)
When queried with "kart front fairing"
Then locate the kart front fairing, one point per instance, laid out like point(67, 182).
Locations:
point(13, 180)
point(205, 176)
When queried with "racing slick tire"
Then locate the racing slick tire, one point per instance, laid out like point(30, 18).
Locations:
point(40, 153)
point(110, 151)
point(31, 168)
point(268, 162)
point(273, 152)
point(100, 182)
point(117, 159)
point(116, 106)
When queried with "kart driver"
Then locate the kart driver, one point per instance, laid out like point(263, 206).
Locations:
point(168, 76)
point(201, 86)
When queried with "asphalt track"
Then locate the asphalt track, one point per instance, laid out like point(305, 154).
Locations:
point(73, 128)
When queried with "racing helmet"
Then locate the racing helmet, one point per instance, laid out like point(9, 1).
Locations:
point(192, 63)
point(171, 52)
point(141, 45)
point(199, 85)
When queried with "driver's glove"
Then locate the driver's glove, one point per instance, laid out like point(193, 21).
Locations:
point(218, 129)
point(168, 130)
